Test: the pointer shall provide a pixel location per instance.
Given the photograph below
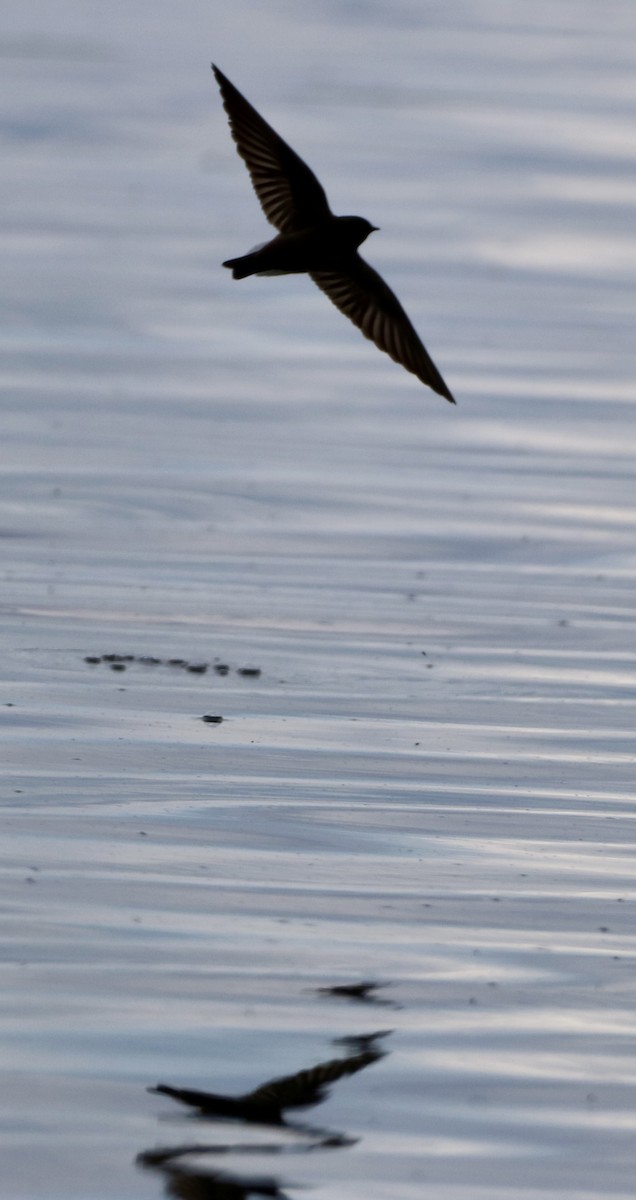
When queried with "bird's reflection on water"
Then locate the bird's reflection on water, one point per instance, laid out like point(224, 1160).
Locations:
point(269, 1103)
point(188, 1183)
point(266, 1105)
point(365, 992)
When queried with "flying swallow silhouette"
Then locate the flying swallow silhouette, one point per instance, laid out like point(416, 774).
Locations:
point(311, 240)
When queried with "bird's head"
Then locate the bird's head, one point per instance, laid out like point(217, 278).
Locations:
point(359, 229)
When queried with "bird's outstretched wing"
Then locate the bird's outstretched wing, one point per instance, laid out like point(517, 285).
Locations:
point(290, 195)
point(363, 296)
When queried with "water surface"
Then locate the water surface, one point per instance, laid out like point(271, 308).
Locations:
point(430, 784)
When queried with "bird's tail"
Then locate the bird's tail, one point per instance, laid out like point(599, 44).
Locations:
point(240, 267)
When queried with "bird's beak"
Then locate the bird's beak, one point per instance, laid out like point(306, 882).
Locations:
point(375, 229)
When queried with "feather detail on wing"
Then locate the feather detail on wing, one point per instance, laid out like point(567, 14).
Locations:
point(289, 193)
point(363, 296)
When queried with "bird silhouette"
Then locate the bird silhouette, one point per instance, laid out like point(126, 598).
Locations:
point(268, 1103)
point(312, 240)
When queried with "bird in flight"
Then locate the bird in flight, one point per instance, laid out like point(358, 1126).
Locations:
point(312, 240)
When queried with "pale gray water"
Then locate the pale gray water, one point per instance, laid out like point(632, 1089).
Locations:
point(431, 783)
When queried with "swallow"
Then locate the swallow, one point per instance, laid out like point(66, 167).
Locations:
point(312, 240)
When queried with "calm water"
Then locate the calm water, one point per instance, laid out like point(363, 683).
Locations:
point(430, 784)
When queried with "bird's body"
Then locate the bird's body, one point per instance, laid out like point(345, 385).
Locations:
point(328, 244)
point(312, 240)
